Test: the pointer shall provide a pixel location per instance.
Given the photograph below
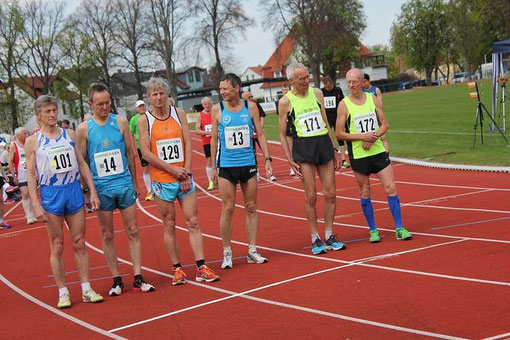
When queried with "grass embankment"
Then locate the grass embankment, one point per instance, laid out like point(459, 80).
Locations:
point(436, 124)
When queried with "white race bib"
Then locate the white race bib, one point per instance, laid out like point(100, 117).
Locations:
point(62, 159)
point(170, 150)
point(311, 123)
point(109, 163)
point(237, 137)
point(366, 122)
point(208, 128)
point(22, 162)
point(330, 102)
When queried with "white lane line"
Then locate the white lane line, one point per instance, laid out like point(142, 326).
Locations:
point(22, 231)
point(470, 223)
point(315, 257)
point(38, 302)
point(500, 336)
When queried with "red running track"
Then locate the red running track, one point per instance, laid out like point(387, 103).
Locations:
point(451, 281)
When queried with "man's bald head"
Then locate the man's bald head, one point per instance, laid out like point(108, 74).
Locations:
point(355, 73)
point(247, 95)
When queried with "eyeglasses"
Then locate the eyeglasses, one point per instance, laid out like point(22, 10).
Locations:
point(250, 97)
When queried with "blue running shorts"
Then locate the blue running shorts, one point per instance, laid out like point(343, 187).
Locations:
point(120, 197)
point(171, 191)
point(62, 200)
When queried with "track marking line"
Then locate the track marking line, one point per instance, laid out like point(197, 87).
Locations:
point(500, 336)
point(245, 295)
point(77, 321)
point(470, 223)
point(90, 280)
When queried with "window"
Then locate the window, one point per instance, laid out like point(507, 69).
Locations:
point(198, 76)
point(277, 74)
point(190, 76)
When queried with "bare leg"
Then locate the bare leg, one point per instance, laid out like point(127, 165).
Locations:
point(308, 172)
point(135, 245)
point(76, 223)
point(228, 200)
point(327, 177)
point(106, 223)
point(189, 210)
point(167, 212)
point(56, 238)
point(250, 204)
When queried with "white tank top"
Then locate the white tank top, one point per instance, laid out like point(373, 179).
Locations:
point(21, 164)
point(56, 160)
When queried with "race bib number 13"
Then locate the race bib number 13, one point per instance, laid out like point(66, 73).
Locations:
point(170, 150)
point(62, 159)
point(237, 137)
point(109, 163)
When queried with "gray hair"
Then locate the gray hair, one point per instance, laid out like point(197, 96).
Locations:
point(156, 83)
point(293, 67)
point(19, 130)
point(206, 99)
point(44, 100)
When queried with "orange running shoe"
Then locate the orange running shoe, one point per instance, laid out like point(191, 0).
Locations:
point(206, 274)
point(179, 277)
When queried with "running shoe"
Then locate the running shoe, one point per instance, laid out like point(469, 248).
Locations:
point(206, 274)
point(149, 197)
point(179, 277)
point(292, 173)
point(91, 296)
point(318, 247)
point(64, 301)
point(89, 210)
point(255, 257)
point(374, 236)
point(4, 225)
point(139, 285)
point(345, 165)
point(333, 244)
point(272, 179)
point(227, 260)
point(31, 220)
point(211, 186)
point(403, 234)
point(116, 289)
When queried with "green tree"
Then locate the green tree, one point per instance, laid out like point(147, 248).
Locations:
point(417, 34)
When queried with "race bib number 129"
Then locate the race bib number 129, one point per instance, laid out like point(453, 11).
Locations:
point(170, 150)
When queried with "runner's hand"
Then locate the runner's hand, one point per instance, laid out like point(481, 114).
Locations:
point(180, 173)
point(269, 169)
point(294, 166)
point(40, 214)
point(214, 175)
point(370, 137)
point(367, 145)
point(186, 184)
point(94, 201)
point(336, 162)
point(135, 187)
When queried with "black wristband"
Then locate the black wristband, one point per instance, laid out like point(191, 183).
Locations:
point(269, 159)
point(85, 190)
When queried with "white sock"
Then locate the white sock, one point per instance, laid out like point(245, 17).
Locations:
point(227, 250)
point(63, 291)
point(27, 207)
point(147, 181)
point(327, 234)
point(85, 287)
point(208, 172)
point(252, 248)
point(315, 236)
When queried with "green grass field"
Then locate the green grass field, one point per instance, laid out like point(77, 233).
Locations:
point(436, 124)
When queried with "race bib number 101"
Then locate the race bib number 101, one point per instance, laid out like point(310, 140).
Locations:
point(170, 150)
point(62, 159)
point(109, 163)
point(237, 137)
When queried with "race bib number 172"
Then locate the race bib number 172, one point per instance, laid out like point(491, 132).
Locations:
point(366, 122)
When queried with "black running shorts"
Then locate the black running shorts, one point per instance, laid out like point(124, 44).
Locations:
point(316, 150)
point(371, 164)
point(238, 174)
point(207, 150)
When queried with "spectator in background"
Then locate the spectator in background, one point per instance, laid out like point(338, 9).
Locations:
point(203, 127)
point(133, 127)
point(65, 124)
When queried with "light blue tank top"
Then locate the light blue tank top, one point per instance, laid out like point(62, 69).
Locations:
point(106, 152)
point(235, 135)
point(56, 160)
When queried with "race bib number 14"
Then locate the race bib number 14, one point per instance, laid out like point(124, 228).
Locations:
point(109, 163)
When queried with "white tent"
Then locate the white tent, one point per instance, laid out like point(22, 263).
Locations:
point(500, 47)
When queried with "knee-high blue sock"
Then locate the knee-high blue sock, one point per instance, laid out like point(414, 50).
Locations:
point(368, 211)
point(394, 204)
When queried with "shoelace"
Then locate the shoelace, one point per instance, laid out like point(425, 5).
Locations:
point(207, 271)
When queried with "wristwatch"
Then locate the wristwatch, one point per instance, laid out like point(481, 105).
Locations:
point(269, 159)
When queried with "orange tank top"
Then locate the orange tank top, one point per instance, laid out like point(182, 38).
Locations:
point(167, 143)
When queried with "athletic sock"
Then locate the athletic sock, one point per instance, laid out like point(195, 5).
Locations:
point(227, 250)
point(147, 181)
point(138, 277)
point(117, 280)
point(208, 172)
point(315, 236)
point(327, 234)
point(63, 291)
point(368, 211)
point(27, 207)
point(252, 248)
point(200, 263)
point(85, 287)
point(177, 265)
point(394, 204)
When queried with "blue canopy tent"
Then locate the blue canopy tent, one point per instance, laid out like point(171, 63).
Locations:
point(499, 48)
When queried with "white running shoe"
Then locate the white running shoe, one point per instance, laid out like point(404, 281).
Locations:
point(256, 258)
point(292, 173)
point(31, 220)
point(116, 289)
point(227, 260)
point(272, 179)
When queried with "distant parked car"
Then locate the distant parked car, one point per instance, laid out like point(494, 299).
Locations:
point(460, 77)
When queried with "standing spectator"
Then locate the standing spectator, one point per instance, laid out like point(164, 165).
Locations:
point(66, 124)
point(203, 127)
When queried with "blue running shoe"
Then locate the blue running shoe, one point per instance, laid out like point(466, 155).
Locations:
point(318, 247)
point(333, 244)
